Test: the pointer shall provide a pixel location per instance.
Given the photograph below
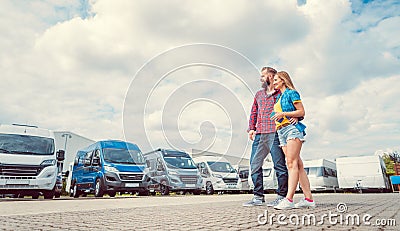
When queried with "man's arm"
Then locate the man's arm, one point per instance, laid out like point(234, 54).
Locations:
point(253, 120)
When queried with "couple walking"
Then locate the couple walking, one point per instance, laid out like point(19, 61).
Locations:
point(274, 128)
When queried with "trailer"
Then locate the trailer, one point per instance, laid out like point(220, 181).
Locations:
point(322, 174)
point(362, 173)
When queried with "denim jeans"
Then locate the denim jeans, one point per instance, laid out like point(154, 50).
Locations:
point(263, 144)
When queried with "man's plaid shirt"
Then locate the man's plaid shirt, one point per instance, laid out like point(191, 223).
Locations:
point(262, 107)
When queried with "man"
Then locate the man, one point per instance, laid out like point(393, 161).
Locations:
point(265, 140)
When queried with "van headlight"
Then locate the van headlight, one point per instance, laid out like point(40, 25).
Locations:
point(48, 163)
point(217, 175)
point(172, 172)
point(110, 169)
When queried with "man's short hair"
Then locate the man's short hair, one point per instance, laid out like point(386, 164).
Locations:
point(269, 69)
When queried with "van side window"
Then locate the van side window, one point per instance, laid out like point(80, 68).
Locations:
point(88, 157)
point(160, 166)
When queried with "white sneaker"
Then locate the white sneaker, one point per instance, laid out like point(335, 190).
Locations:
point(284, 204)
point(303, 203)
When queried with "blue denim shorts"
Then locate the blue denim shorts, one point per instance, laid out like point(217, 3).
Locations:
point(288, 133)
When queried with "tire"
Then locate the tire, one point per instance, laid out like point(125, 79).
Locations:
point(48, 194)
point(112, 193)
point(144, 193)
point(57, 195)
point(209, 188)
point(197, 192)
point(164, 189)
point(35, 196)
point(75, 191)
point(98, 190)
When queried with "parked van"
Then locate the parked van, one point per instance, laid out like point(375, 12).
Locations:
point(270, 182)
point(362, 173)
point(243, 172)
point(172, 170)
point(218, 174)
point(29, 164)
point(321, 174)
point(109, 166)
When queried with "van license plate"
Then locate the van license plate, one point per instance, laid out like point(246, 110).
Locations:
point(131, 184)
point(190, 185)
point(18, 182)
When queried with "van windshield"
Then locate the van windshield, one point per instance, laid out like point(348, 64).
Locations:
point(123, 156)
point(26, 145)
point(180, 162)
point(221, 167)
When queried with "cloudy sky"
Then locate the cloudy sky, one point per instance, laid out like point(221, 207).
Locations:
point(182, 74)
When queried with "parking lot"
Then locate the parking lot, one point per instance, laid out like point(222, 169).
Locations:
point(205, 212)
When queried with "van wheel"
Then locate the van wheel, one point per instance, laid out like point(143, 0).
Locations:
point(48, 194)
point(209, 188)
point(164, 189)
point(196, 192)
point(75, 192)
point(35, 196)
point(144, 193)
point(112, 193)
point(98, 191)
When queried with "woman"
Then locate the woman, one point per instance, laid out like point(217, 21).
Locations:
point(291, 138)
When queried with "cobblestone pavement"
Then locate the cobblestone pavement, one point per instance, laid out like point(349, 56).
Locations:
point(216, 212)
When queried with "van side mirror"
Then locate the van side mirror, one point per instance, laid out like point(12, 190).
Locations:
point(96, 161)
point(148, 163)
point(202, 165)
point(60, 155)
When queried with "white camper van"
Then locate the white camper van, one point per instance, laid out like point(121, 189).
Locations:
point(218, 174)
point(362, 173)
point(270, 182)
point(29, 164)
point(321, 174)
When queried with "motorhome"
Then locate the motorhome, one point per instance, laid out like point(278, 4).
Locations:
point(29, 163)
point(321, 174)
point(172, 170)
point(362, 173)
point(218, 174)
point(108, 167)
point(243, 172)
point(270, 182)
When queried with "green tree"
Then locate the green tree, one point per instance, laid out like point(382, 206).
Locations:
point(389, 164)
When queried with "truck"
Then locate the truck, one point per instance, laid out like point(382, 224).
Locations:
point(172, 171)
point(322, 174)
point(218, 174)
point(362, 173)
point(29, 163)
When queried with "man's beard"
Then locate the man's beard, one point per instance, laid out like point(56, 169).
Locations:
point(265, 84)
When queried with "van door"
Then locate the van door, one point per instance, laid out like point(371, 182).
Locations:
point(161, 171)
point(87, 180)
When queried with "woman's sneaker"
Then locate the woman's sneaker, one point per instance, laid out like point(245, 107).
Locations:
point(284, 204)
point(303, 203)
point(256, 201)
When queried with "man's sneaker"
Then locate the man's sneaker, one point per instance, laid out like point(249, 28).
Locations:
point(284, 204)
point(275, 202)
point(303, 203)
point(256, 201)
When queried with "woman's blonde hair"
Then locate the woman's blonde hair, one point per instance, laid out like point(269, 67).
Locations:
point(286, 79)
